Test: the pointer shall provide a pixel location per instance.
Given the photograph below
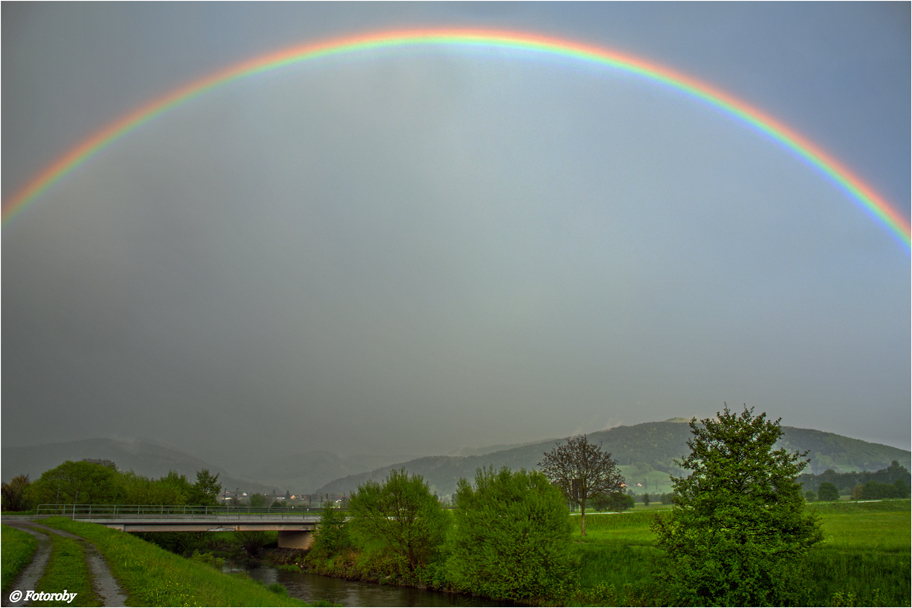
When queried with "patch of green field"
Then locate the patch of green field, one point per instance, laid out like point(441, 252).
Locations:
point(16, 550)
point(152, 576)
point(864, 559)
point(67, 570)
point(867, 526)
point(627, 528)
point(865, 554)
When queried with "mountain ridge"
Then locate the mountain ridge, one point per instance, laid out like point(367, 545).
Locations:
point(645, 453)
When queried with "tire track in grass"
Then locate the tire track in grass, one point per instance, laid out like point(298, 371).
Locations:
point(67, 572)
point(104, 584)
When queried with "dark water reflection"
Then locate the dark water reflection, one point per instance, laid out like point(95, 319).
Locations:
point(313, 588)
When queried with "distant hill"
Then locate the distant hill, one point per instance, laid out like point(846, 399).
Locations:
point(466, 451)
point(143, 456)
point(645, 453)
point(303, 473)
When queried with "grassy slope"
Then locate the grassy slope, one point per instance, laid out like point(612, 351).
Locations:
point(865, 555)
point(67, 570)
point(154, 577)
point(16, 549)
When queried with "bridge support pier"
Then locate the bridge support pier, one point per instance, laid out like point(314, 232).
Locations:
point(295, 539)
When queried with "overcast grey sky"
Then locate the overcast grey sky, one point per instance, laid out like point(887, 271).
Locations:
point(410, 251)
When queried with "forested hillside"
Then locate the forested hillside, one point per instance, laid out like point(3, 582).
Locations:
point(645, 452)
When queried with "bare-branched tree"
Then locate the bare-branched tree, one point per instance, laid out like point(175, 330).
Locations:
point(582, 471)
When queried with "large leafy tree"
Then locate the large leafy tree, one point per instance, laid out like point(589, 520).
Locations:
point(400, 518)
point(512, 536)
point(738, 531)
point(582, 471)
point(83, 482)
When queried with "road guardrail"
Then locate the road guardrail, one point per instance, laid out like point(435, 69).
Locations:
point(171, 511)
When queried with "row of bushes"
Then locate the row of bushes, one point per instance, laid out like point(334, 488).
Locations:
point(507, 538)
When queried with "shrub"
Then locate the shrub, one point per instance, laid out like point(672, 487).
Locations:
point(253, 541)
point(331, 536)
point(738, 534)
point(512, 536)
point(278, 588)
point(828, 492)
point(400, 518)
point(181, 543)
point(14, 494)
point(614, 502)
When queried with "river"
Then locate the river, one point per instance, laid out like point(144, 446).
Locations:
point(313, 588)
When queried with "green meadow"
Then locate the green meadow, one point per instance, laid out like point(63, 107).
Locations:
point(864, 559)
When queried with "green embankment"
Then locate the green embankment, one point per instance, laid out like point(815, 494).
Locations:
point(863, 560)
point(151, 576)
point(67, 570)
point(17, 548)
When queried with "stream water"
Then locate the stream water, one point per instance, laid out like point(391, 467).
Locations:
point(313, 588)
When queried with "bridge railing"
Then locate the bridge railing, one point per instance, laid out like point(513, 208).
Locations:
point(171, 511)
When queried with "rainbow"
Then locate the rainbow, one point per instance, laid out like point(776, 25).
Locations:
point(859, 192)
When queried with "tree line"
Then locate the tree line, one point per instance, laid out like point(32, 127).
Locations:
point(94, 481)
point(738, 532)
point(854, 483)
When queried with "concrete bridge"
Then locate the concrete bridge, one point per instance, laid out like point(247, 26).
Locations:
point(294, 525)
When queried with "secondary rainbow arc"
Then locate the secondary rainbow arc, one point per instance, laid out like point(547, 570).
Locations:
point(862, 194)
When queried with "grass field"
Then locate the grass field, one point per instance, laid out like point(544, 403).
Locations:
point(152, 576)
point(864, 559)
point(16, 549)
point(865, 554)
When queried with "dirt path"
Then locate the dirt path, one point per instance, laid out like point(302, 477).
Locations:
point(103, 581)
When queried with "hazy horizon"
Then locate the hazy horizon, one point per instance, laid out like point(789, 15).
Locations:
point(413, 251)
